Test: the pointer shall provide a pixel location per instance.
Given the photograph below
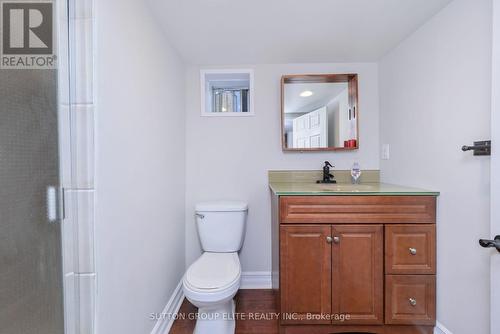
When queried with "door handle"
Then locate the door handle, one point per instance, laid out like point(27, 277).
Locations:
point(479, 147)
point(491, 243)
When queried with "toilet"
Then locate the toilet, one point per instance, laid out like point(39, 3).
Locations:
point(212, 281)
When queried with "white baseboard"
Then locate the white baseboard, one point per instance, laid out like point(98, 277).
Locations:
point(256, 280)
point(164, 324)
point(440, 329)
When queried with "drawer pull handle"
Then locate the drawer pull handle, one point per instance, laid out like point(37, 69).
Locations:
point(413, 301)
point(413, 251)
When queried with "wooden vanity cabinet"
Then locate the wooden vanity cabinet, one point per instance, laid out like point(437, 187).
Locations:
point(371, 258)
point(341, 276)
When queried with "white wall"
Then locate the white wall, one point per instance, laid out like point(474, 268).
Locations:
point(495, 165)
point(228, 157)
point(140, 167)
point(435, 97)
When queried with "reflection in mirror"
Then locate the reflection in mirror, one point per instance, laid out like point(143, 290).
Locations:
point(319, 112)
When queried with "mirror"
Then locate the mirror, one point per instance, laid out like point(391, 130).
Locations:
point(319, 112)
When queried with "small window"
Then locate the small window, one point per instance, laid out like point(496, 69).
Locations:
point(227, 92)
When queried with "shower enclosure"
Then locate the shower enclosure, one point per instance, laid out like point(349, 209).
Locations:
point(31, 275)
point(31, 290)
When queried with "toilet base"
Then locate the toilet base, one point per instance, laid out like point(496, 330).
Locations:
point(218, 320)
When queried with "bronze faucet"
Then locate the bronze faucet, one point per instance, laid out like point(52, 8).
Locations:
point(327, 176)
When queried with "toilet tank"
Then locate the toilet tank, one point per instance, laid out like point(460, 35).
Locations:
point(221, 225)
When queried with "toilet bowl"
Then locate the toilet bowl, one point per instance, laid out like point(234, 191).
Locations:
point(212, 281)
point(210, 284)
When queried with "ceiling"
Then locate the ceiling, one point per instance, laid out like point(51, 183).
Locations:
point(225, 32)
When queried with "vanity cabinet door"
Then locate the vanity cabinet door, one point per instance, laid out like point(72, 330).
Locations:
point(357, 282)
point(305, 267)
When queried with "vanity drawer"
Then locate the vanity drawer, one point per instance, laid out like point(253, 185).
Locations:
point(410, 249)
point(410, 300)
point(358, 209)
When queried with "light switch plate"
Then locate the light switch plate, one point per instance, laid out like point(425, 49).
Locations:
point(386, 152)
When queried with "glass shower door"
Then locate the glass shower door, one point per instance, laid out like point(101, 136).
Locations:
point(31, 288)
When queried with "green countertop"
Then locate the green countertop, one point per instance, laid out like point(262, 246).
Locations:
point(380, 189)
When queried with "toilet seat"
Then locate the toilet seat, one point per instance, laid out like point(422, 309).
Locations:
point(213, 272)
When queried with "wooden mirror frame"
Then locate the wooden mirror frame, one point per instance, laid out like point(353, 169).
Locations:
point(352, 82)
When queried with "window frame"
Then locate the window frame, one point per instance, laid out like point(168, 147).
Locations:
point(205, 92)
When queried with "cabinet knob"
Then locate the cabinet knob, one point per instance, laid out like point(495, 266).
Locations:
point(413, 251)
point(335, 240)
point(413, 301)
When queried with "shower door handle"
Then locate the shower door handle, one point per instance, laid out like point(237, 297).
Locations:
point(52, 204)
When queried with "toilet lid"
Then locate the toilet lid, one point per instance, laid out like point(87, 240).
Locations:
point(214, 270)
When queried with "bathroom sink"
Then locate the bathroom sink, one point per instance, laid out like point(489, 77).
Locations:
point(348, 187)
